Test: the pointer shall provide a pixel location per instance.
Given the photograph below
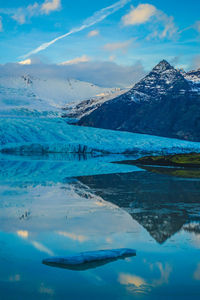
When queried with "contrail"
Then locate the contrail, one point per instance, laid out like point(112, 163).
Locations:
point(96, 18)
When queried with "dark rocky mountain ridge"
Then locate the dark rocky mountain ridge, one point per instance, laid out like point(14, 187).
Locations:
point(165, 103)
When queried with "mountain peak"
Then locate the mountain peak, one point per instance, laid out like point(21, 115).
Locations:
point(162, 80)
point(162, 66)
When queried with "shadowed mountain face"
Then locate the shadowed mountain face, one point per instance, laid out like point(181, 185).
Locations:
point(160, 203)
point(164, 103)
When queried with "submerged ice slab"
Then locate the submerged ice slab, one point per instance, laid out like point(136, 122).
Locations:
point(90, 259)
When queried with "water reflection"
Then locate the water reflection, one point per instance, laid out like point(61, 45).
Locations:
point(162, 205)
point(56, 167)
point(171, 171)
point(59, 207)
point(139, 285)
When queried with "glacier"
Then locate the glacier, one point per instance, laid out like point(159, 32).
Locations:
point(26, 135)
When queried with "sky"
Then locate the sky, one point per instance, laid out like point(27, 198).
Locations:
point(123, 33)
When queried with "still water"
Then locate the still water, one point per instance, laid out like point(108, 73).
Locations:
point(58, 206)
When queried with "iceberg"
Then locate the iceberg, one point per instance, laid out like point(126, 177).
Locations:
point(90, 259)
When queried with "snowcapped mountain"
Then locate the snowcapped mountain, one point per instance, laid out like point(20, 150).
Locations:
point(162, 80)
point(193, 77)
point(85, 107)
point(161, 104)
point(22, 93)
point(165, 103)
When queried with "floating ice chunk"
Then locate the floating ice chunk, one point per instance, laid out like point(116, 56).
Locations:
point(90, 259)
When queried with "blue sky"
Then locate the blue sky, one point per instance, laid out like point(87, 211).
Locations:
point(140, 31)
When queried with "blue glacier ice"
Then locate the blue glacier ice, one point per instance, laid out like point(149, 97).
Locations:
point(53, 135)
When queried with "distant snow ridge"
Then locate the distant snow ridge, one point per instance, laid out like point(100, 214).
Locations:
point(25, 95)
point(85, 107)
point(45, 135)
point(193, 78)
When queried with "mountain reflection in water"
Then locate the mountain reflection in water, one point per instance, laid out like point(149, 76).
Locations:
point(162, 205)
point(58, 206)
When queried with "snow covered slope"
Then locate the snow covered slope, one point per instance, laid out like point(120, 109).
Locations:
point(21, 93)
point(85, 107)
point(164, 79)
point(42, 135)
point(193, 78)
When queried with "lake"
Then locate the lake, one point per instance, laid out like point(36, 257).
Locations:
point(58, 205)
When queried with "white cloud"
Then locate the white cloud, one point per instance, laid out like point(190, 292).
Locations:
point(40, 247)
point(93, 33)
point(165, 271)
point(197, 26)
point(73, 236)
point(25, 62)
point(15, 278)
point(127, 279)
point(23, 14)
point(139, 15)
point(33, 9)
point(196, 62)
point(165, 26)
point(137, 284)
point(50, 6)
point(197, 273)
point(23, 234)
point(118, 46)
point(19, 17)
point(97, 17)
point(112, 57)
point(46, 290)
point(1, 24)
point(162, 26)
point(76, 60)
point(102, 73)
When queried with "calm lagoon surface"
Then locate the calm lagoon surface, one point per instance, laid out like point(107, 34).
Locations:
point(58, 206)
